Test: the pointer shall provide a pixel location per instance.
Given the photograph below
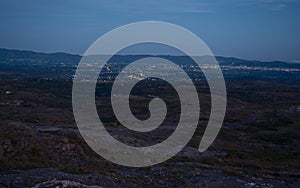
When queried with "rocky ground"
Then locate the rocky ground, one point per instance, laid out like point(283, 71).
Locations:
point(258, 146)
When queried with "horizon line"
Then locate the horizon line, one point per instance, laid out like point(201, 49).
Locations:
point(172, 55)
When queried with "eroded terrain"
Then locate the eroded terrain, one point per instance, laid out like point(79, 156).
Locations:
point(258, 145)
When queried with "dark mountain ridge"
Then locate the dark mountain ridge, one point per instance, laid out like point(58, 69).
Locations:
point(8, 55)
point(61, 57)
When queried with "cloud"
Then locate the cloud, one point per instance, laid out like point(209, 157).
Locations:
point(278, 7)
point(158, 6)
point(274, 5)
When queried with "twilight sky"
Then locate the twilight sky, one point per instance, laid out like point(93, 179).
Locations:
point(249, 29)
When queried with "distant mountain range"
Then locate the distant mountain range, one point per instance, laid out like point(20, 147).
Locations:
point(59, 57)
point(24, 64)
point(7, 55)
